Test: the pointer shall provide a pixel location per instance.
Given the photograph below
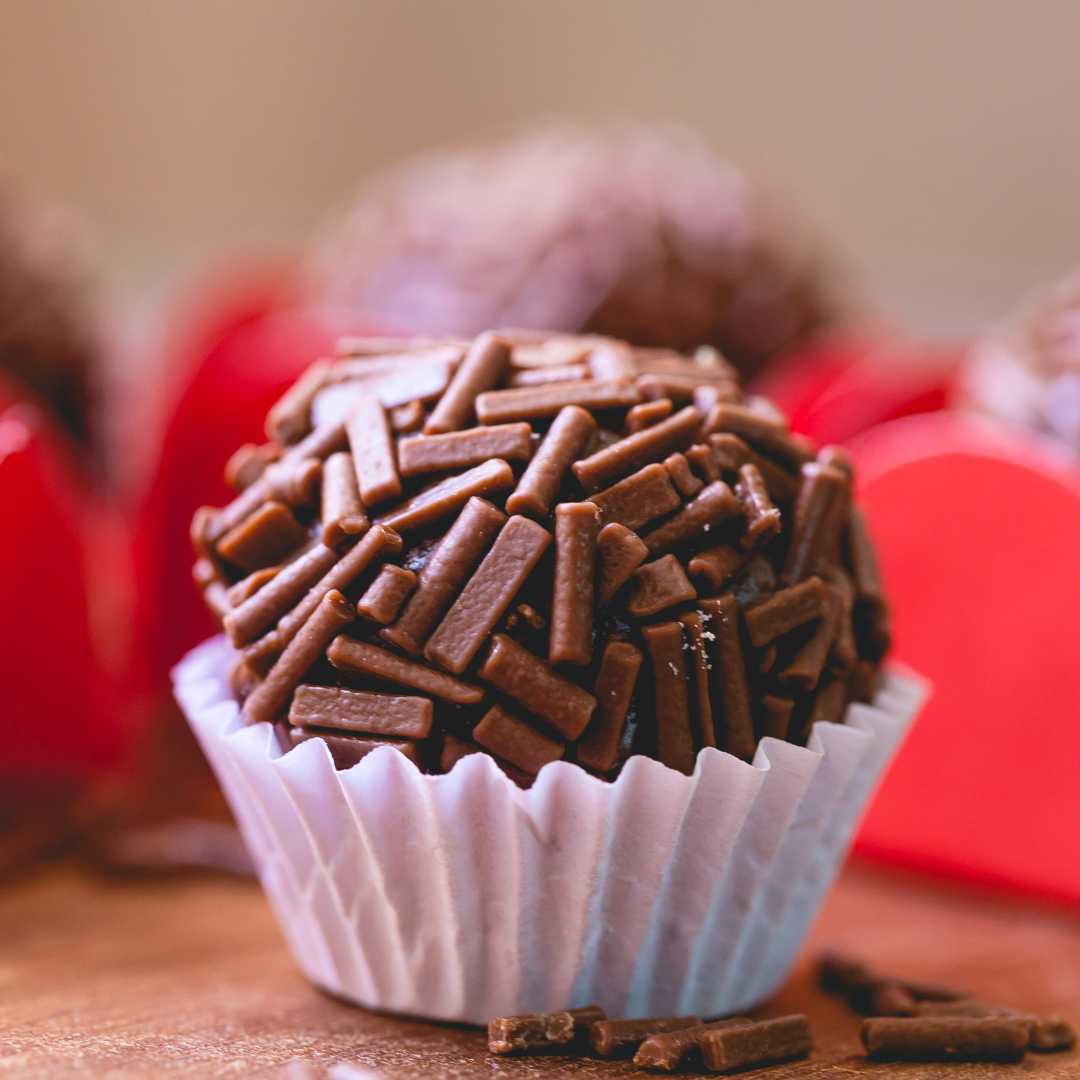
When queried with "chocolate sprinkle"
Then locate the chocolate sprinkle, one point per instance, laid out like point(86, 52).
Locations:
point(555, 567)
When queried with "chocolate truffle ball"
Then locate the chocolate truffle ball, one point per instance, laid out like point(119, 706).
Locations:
point(50, 338)
point(637, 232)
point(540, 547)
point(1028, 370)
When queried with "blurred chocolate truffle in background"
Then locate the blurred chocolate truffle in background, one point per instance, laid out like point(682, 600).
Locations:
point(1028, 369)
point(50, 335)
point(639, 233)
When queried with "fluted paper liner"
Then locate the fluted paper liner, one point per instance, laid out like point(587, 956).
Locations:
point(462, 897)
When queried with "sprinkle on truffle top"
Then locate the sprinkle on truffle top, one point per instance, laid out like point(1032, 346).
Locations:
point(540, 546)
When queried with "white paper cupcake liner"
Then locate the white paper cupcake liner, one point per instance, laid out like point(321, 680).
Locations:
point(462, 897)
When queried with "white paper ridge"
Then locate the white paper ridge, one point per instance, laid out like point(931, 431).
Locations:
point(462, 897)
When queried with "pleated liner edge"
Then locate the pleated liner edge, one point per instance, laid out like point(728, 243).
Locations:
point(462, 897)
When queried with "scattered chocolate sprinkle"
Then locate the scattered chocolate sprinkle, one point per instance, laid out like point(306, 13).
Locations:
point(538, 1031)
point(1050, 1034)
point(743, 1046)
point(854, 980)
point(584, 1018)
point(620, 1038)
point(919, 1003)
point(945, 1038)
point(674, 1049)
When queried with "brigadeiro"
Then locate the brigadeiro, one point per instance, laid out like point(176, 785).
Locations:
point(551, 675)
point(1027, 370)
point(639, 232)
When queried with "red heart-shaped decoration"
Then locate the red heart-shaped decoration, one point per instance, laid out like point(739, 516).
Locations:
point(61, 725)
point(845, 385)
point(978, 528)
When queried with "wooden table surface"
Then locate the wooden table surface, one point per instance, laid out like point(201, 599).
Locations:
point(190, 978)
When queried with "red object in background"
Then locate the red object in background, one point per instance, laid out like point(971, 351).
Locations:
point(61, 724)
point(846, 385)
point(978, 530)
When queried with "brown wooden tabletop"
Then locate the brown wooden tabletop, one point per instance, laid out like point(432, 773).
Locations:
point(190, 978)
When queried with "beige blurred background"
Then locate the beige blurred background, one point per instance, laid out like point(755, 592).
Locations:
point(935, 143)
